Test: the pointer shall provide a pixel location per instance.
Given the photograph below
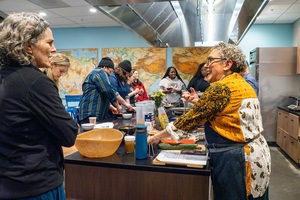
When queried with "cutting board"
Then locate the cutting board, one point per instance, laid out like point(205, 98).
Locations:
point(157, 162)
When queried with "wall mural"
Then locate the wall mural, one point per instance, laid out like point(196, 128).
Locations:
point(149, 61)
point(187, 60)
point(83, 61)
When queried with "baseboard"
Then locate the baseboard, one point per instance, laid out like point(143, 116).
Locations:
point(272, 144)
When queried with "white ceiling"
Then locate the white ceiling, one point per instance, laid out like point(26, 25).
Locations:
point(78, 14)
point(280, 12)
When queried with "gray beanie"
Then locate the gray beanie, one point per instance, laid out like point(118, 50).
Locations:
point(126, 65)
point(107, 62)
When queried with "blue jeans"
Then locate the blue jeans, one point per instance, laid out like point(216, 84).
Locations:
point(55, 194)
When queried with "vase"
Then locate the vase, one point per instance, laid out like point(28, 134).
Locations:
point(156, 118)
point(157, 105)
point(157, 123)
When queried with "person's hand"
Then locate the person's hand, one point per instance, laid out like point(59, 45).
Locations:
point(190, 97)
point(178, 91)
point(128, 106)
point(136, 91)
point(119, 109)
point(141, 91)
point(153, 139)
point(186, 96)
point(113, 109)
point(168, 90)
point(128, 109)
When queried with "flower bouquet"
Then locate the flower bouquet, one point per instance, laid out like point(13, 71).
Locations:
point(158, 98)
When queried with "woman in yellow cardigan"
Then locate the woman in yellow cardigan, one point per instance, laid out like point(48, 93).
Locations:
point(230, 112)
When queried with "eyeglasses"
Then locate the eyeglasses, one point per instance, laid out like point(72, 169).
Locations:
point(210, 59)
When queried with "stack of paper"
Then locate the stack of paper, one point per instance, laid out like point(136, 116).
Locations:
point(171, 156)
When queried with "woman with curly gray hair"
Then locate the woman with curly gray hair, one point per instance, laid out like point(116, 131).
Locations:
point(230, 111)
point(33, 122)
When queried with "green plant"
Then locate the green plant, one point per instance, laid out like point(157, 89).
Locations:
point(157, 97)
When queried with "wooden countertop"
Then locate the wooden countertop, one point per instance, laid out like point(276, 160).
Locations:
point(69, 150)
point(290, 111)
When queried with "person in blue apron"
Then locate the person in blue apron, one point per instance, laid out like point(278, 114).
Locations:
point(230, 111)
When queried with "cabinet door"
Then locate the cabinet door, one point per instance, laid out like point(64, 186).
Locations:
point(279, 139)
point(293, 148)
point(285, 143)
point(293, 126)
point(282, 120)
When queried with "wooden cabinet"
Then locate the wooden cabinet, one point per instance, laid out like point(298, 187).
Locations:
point(288, 134)
point(293, 125)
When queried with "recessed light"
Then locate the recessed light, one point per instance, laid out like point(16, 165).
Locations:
point(93, 10)
point(43, 14)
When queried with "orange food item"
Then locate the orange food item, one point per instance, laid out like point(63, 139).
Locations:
point(184, 141)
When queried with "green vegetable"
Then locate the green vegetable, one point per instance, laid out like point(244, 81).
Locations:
point(165, 146)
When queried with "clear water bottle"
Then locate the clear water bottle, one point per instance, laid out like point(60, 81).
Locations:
point(141, 142)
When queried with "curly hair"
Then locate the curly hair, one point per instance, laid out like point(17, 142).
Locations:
point(18, 30)
point(234, 53)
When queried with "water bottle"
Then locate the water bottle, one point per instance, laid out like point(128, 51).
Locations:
point(141, 142)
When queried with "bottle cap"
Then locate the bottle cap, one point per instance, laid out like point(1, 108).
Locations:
point(129, 138)
point(141, 129)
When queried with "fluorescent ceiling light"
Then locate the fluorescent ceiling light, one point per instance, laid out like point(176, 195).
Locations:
point(93, 10)
point(43, 14)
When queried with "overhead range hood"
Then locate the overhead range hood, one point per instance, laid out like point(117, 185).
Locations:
point(183, 23)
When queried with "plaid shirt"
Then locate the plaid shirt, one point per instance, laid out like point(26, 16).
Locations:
point(98, 93)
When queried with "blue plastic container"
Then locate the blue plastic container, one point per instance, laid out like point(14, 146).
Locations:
point(141, 142)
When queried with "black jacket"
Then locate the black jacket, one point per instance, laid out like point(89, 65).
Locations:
point(33, 126)
point(198, 84)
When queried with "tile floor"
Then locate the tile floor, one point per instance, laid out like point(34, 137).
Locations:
point(285, 177)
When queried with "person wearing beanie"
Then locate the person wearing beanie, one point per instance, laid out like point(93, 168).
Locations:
point(118, 80)
point(106, 62)
point(98, 94)
point(126, 65)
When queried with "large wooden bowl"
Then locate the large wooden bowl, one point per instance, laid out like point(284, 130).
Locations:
point(99, 142)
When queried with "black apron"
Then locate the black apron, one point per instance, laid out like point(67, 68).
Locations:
point(227, 159)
